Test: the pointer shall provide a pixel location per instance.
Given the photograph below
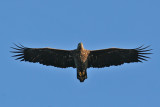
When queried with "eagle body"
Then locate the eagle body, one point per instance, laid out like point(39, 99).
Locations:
point(81, 62)
point(80, 58)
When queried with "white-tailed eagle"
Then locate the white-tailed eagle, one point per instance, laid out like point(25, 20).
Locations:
point(81, 58)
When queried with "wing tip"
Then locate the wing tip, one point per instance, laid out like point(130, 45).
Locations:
point(19, 50)
point(142, 52)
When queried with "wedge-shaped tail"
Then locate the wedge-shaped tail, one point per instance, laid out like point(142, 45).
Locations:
point(81, 75)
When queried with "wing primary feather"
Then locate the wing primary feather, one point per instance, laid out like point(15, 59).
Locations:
point(142, 59)
point(140, 47)
point(16, 51)
point(18, 55)
point(19, 58)
point(17, 46)
point(145, 53)
point(143, 48)
point(143, 56)
point(21, 45)
point(22, 60)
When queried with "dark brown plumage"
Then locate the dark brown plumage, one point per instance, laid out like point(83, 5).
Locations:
point(81, 58)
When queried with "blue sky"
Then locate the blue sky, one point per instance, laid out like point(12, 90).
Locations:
point(63, 24)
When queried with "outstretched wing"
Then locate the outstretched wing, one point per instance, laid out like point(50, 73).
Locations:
point(45, 56)
point(116, 56)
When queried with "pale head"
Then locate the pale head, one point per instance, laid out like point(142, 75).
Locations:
point(80, 46)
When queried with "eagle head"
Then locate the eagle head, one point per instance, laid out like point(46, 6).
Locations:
point(80, 46)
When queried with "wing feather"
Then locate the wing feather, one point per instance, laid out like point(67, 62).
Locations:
point(45, 56)
point(116, 56)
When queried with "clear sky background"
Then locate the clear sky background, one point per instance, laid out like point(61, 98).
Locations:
point(63, 24)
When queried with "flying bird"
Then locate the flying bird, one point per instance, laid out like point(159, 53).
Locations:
point(81, 58)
